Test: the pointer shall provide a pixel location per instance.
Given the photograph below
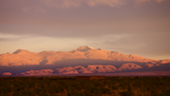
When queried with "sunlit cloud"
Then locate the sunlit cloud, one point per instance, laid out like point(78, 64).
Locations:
point(159, 1)
point(8, 36)
point(143, 1)
point(77, 3)
point(40, 4)
point(111, 3)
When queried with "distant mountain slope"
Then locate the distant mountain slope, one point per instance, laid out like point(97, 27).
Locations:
point(24, 57)
point(88, 69)
point(98, 69)
point(129, 66)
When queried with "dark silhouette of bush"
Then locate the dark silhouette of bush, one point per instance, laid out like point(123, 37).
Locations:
point(28, 93)
point(75, 93)
point(43, 94)
point(87, 93)
point(17, 94)
point(37, 91)
point(105, 91)
point(165, 93)
point(126, 93)
point(111, 86)
point(114, 87)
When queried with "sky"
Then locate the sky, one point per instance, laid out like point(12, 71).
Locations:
point(140, 27)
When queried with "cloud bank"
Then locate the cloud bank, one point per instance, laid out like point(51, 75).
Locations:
point(77, 3)
point(40, 5)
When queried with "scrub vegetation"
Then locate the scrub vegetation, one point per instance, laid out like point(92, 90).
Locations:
point(84, 86)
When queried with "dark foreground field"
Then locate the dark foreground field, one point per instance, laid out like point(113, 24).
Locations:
point(84, 86)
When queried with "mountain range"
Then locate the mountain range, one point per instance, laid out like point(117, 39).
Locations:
point(84, 60)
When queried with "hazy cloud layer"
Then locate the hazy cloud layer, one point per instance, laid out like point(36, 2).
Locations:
point(41, 5)
point(78, 3)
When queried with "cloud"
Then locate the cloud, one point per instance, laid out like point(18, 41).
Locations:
point(8, 36)
point(40, 5)
point(142, 1)
point(77, 3)
point(159, 1)
point(92, 3)
point(111, 3)
point(12, 37)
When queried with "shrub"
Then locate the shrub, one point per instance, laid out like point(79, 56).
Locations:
point(165, 93)
point(126, 93)
point(106, 91)
point(75, 93)
point(37, 91)
point(114, 87)
point(17, 94)
point(28, 93)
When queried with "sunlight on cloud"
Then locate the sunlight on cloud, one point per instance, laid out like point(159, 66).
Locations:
point(77, 3)
point(9, 36)
point(41, 5)
point(124, 43)
point(111, 3)
point(69, 3)
point(142, 1)
point(159, 1)
point(62, 3)
point(40, 43)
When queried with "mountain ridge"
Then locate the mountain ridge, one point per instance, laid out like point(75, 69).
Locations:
point(128, 68)
point(83, 60)
point(23, 57)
